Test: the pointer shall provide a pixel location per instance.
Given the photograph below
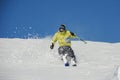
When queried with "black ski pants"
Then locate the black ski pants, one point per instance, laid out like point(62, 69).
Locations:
point(66, 50)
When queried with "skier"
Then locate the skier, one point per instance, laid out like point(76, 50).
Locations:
point(63, 37)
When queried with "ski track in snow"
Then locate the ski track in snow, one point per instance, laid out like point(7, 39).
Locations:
point(31, 59)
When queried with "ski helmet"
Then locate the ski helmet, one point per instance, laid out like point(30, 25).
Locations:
point(62, 28)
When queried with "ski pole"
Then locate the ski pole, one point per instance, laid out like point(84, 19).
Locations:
point(81, 40)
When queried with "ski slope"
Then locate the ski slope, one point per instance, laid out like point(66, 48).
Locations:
point(31, 59)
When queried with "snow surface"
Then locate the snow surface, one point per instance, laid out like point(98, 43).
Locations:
point(31, 59)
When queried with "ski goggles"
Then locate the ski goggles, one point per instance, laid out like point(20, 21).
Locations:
point(61, 29)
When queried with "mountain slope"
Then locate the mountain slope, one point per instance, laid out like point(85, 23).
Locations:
point(31, 59)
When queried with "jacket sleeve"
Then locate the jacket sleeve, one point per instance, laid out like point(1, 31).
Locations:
point(54, 39)
point(72, 35)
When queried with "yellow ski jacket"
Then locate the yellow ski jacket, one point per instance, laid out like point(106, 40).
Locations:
point(61, 38)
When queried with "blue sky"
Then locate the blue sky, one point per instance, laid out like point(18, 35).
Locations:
point(94, 20)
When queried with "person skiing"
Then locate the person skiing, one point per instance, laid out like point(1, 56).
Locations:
point(63, 37)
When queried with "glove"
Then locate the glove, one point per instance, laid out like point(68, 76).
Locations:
point(52, 46)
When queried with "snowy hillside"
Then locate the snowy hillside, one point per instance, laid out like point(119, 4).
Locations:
point(31, 59)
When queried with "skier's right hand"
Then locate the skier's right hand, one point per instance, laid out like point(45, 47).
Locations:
point(52, 46)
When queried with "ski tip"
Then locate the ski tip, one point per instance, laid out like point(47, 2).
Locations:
point(74, 65)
